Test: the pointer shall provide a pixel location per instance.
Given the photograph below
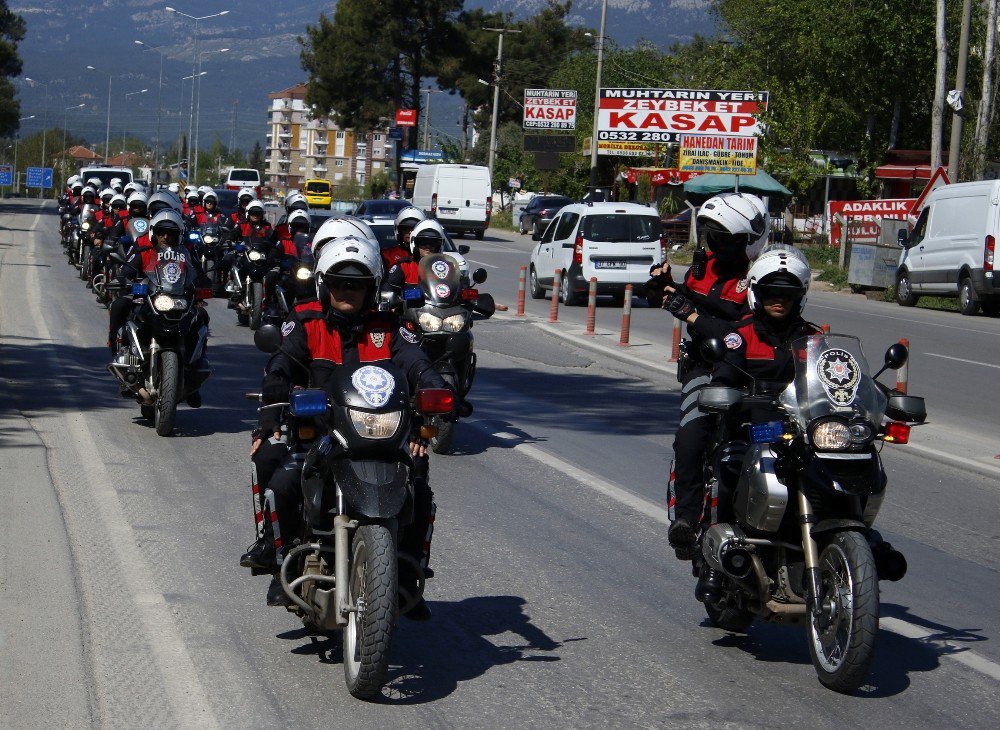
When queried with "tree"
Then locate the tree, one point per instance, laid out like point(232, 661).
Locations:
point(941, 72)
point(256, 160)
point(378, 185)
point(11, 33)
point(984, 113)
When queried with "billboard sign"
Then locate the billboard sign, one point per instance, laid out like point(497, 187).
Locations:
point(666, 115)
point(622, 149)
point(867, 214)
point(549, 109)
point(720, 155)
point(406, 117)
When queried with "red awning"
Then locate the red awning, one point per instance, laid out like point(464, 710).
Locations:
point(660, 176)
point(903, 172)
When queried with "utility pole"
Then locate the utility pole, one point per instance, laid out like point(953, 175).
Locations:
point(496, 95)
point(597, 99)
point(427, 116)
point(956, 120)
point(232, 133)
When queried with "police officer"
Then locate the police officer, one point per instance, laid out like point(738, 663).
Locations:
point(427, 238)
point(712, 295)
point(406, 220)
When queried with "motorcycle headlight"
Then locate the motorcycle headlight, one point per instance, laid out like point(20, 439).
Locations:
point(255, 255)
point(429, 322)
point(209, 239)
point(166, 303)
point(375, 425)
point(86, 226)
point(831, 435)
point(303, 274)
point(455, 322)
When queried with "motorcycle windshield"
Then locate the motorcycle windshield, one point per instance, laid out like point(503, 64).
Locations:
point(303, 248)
point(832, 379)
point(440, 279)
point(171, 273)
point(137, 227)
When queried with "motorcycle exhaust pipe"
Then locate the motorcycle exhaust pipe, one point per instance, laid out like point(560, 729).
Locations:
point(736, 561)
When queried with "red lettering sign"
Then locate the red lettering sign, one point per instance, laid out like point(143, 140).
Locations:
point(406, 117)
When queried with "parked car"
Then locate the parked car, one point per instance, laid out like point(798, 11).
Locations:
point(616, 243)
point(540, 211)
point(381, 208)
point(343, 207)
point(951, 250)
point(458, 196)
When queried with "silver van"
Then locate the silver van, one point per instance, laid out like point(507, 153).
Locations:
point(950, 251)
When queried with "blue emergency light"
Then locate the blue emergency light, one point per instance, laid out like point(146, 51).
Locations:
point(412, 292)
point(140, 290)
point(765, 433)
point(309, 403)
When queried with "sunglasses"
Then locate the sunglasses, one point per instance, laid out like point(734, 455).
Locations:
point(344, 283)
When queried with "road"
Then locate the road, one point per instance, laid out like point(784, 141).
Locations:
point(556, 601)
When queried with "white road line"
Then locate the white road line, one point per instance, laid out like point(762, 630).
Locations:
point(962, 359)
point(483, 263)
point(903, 319)
point(654, 511)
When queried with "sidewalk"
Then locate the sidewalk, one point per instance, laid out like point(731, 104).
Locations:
point(947, 443)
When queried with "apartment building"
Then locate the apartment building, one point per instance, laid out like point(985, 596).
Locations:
point(300, 147)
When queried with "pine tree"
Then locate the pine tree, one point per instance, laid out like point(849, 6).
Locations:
point(11, 33)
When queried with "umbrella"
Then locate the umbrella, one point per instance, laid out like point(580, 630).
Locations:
point(704, 186)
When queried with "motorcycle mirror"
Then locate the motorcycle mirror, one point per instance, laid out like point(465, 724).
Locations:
point(479, 276)
point(485, 305)
point(464, 248)
point(896, 356)
point(267, 338)
point(713, 350)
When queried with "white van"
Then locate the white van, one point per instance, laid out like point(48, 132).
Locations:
point(616, 243)
point(107, 173)
point(243, 177)
point(950, 251)
point(457, 195)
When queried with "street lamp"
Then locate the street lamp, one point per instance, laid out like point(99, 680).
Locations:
point(180, 123)
point(17, 137)
point(127, 95)
point(197, 112)
point(45, 123)
point(194, 70)
point(496, 95)
point(159, 95)
point(107, 133)
point(597, 100)
point(62, 166)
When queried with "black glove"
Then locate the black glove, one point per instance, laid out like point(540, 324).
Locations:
point(274, 389)
point(680, 306)
point(654, 290)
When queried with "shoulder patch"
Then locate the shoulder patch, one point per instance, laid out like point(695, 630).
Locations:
point(742, 286)
point(286, 328)
point(733, 341)
point(378, 337)
point(408, 335)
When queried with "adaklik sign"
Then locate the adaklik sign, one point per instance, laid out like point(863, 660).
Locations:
point(868, 214)
point(550, 109)
point(665, 115)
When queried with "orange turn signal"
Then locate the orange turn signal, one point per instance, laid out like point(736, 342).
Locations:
point(896, 433)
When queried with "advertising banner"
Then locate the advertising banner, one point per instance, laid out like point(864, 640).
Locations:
point(549, 109)
point(868, 213)
point(622, 149)
point(721, 155)
point(665, 115)
point(406, 117)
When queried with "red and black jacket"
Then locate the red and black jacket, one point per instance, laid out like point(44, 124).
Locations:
point(759, 348)
point(720, 297)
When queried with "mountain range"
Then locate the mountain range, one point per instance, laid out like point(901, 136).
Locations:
point(263, 56)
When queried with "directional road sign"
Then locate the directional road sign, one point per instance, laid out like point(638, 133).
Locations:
point(6, 175)
point(38, 177)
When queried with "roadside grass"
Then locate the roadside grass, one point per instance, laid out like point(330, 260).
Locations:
point(825, 263)
point(942, 304)
point(503, 219)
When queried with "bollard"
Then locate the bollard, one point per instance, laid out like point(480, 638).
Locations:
point(520, 291)
point(825, 329)
point(675, 349)
point(626, 317)
point(554, 308)
point(903, 374)
point(592, 306)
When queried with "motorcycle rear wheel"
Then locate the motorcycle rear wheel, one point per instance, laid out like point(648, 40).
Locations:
point(441, 443)
point(166, 393)
point(843, 650)
point(256, 304)
point(372, 590)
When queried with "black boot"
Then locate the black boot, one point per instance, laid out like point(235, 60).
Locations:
point(276, 595)
point(682, 539)
point(709, 587)
point(260, 557)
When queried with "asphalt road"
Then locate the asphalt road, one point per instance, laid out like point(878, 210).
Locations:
point(556, 601)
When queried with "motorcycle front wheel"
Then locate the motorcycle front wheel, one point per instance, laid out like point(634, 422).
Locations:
point(88, 254)
point(372, 592)
point(166, 393)
point(842, 639)
point(256, 304)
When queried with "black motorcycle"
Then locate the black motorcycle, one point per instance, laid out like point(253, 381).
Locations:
point(798, 494)
point(205, 242)
point(443, 309)
point(153, 362)
point(246, 280)
point(357, 496)
point(293, 280)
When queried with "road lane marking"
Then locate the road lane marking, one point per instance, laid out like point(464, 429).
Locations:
point(507, 248)
point(903, 319)
point(659, 514)
point(483, 263)
point(962, 359)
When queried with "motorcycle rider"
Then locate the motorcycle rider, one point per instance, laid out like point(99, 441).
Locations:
point(406, 220)
point(165, 228)
point(286, 252)
point(342, 325)
point(758, 354)
point(426, 238)
point(712, 296)
point(192, 206)
point(238, 217)
point(295, 201)
point(211, 215)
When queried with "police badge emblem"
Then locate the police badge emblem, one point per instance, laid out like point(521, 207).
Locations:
point(378, 337)
point(840, 375)
point(407, 335)
point(441, 269)
point(733, 341)
point(172, 273)
point(742, 285)
point(442, 290)
point(141, 224)
point(286, 328)
point(373, 384)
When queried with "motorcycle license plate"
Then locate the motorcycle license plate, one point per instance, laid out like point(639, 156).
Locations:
point(610, 264)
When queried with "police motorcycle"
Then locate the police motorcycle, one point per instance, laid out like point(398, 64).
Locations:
point(105, 281)
point(357, 495)
point(295, 281)
point(803, 491)
point(442, 309)
point(205, 241)
point(246, 280)
point(67, 223)
point(79, 249)
point(152, 363)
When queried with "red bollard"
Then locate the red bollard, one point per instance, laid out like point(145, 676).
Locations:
point(626, 317)
point(592, 306)
point(520, 291)
point(903, 374)
point(554, 309)
point(675, 348)
point(825, 329)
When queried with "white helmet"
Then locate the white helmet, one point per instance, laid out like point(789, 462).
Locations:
point(204, 190)
point(192, 194)
point(341, 227)
point(254, 206)
point(409, 217)
point(428, 229)
point(117, 198)
point(89, 189)
point(189, 188)
point(296, 201)
point(298, 216)
point(116, 184)
point(163, 200)
point(734, 223)
point(243, 192)
point(209, 193)
point(174, 188)
point(137, 197)
point(167, 218)
point(779, 267)
point(94, 182)
point(130, 187)
point(350, 256)
point(107, 194)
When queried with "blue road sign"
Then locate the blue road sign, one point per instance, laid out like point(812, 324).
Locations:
point(47, 177)
point(422, 156)
point(33, 178)
point(396, 133)
point(6, 175)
